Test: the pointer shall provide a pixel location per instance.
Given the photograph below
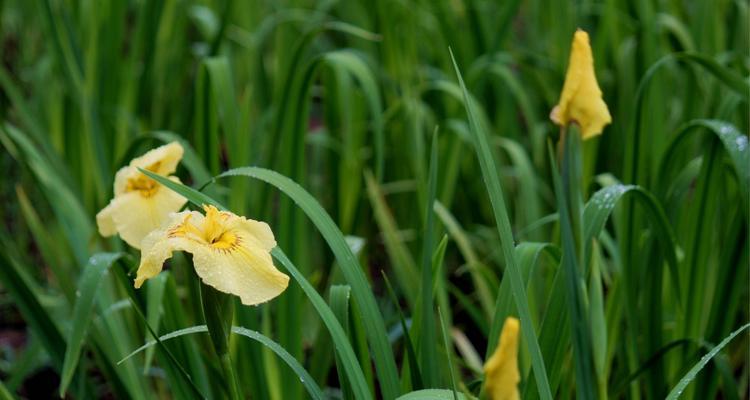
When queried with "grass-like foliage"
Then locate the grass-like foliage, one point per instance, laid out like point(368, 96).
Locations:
point(447, 222)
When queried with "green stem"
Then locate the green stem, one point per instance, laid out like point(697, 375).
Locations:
point(218, 309)
point(228, 370)
point(567, 189)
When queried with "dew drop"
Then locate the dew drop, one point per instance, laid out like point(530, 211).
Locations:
point(741, 143)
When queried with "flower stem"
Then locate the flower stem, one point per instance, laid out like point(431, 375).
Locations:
point(228, 370)
point(218, 309)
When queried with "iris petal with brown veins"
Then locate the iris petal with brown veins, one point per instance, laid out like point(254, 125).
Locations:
point(230, 253)
point(141, 204)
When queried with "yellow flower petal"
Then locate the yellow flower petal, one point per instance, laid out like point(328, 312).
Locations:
point(141, 204)
point(105, 222)
point(162, 160)
point(158, 246)
point(261, 232)
point(230, 253)
point(501, 369)
point(581, 98)
point(133, 215)
point(247, 272)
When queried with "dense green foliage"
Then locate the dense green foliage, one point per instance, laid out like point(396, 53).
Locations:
point(402, 153)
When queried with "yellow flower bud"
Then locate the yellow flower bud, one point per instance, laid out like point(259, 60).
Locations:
point(501, 375)
point(581, 99)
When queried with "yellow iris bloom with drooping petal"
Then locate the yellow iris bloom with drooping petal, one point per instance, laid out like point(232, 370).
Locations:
point(141, 204)
point(501, 369)
point(230, 253)
point(581, 99)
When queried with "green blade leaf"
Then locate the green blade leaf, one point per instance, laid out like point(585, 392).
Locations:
point(339, 296)
point(427, 339)
point(305, 378)
point(528, 255)
point(197, 198)
point(457, 233)
point(337, 332)
point(434, 394)
point(600, 207)
point(307, 381)
point(88, 286)
point(340, 340)
point(574, 296)
point(448, 354)
point(690, 375)
point(404, 267)
point(492, 180)
point(352, 271)
point(411, 354)
point(735, 143)
point(735, 82)
point(155, 293)
point(179, 369)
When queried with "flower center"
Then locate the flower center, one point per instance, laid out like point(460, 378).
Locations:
point(144, 185)
point(212, 233)
point(216, 232)
point(226, 240)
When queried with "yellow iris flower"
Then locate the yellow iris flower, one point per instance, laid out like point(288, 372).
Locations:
point(581, 99)
point(230, 253)
point(141, 204)
point(501, 369)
